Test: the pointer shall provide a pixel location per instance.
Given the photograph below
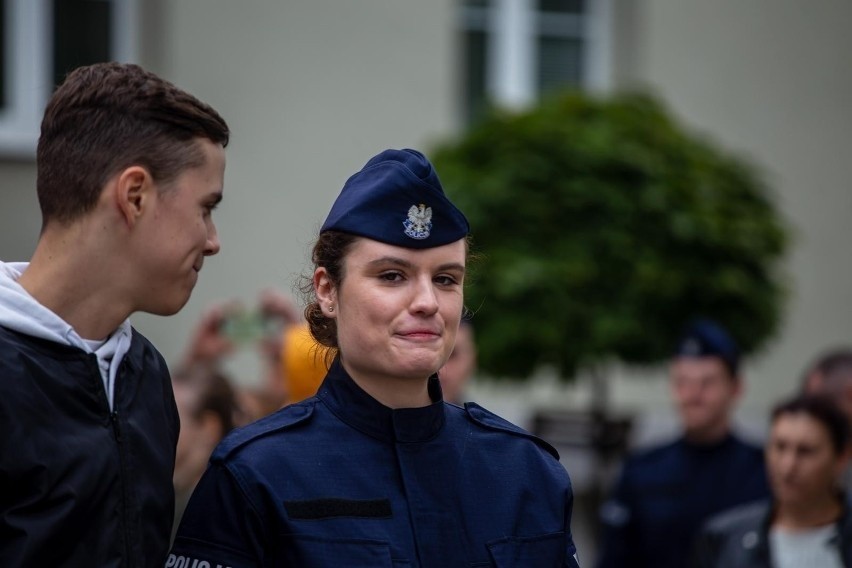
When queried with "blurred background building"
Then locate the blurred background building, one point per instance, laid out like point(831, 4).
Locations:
point(312, 89)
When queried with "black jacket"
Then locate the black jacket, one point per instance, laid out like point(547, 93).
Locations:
point(80, 485)
point(740, 538)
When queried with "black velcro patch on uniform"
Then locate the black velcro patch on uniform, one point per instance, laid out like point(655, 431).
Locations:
point(313, 509)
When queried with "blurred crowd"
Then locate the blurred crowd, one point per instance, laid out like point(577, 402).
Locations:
point(713, 498)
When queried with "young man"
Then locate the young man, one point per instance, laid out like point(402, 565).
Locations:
point(129, 171)
point(665, 493)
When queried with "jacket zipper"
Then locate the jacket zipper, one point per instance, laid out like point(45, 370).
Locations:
point(115, 422)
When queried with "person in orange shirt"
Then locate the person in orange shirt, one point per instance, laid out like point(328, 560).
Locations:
point(302, 364)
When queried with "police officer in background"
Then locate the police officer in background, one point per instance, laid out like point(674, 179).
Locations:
point(376, 469)
point(665, 493)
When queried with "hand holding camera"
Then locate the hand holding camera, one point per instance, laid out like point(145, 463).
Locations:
point(229, 325)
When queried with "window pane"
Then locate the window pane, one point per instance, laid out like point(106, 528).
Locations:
point(563, 6)
point(559, 63)
point(476, 56)
point(81, 34)
point(476, 53)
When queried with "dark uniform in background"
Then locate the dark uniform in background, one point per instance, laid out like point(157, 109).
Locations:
point(665, 494)
point(312, 485)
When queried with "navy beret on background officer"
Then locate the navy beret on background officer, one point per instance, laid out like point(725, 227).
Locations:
point(664, 494)
point(376, 469)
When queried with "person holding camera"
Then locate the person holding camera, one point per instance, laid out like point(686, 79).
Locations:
point(227, 326)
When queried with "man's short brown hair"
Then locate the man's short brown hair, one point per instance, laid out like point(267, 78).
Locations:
point(110, 116)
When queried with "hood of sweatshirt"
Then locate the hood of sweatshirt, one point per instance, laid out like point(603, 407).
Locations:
point(21, 312)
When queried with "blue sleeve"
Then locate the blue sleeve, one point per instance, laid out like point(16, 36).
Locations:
point(221, 526)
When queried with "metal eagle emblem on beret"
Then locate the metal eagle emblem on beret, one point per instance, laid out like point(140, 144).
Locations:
point(419, 222)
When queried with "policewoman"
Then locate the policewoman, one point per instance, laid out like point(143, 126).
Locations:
point(376, 469)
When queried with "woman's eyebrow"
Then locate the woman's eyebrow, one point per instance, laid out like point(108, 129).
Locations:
point(391, 260)
point(456, 266)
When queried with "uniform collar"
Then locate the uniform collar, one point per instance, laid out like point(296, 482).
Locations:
point(358, 409)
point(709, 447)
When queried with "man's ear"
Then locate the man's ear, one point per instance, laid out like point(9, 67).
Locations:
point(133, 189)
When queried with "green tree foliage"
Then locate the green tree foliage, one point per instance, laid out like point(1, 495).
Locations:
point(604, 227)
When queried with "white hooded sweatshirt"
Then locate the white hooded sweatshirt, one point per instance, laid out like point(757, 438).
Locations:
point(22, 313)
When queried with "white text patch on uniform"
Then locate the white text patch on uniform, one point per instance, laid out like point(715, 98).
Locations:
point(187, 562)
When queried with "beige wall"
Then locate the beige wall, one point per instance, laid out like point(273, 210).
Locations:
point(20, 219)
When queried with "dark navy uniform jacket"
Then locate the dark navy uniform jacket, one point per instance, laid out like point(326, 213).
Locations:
point(665, 494)
point(341, 480)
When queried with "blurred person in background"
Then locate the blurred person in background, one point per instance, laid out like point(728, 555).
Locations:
point(807, 521)
point(227, 326)
point(377, 469)
point(831, 374)
point(461, 365)
point(302, 363)
point(129, 171)
point(208, 409)
point(664, 494)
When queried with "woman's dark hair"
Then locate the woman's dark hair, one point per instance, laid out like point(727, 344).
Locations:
point(329, 252)
point(822, 409)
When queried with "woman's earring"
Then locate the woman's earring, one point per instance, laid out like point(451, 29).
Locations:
point(330, 308)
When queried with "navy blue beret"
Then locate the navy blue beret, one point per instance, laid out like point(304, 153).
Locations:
point(397, 199)
point(706, 338)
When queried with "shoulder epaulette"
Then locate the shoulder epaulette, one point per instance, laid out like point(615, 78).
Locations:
point(283, 419)
point(490, 420)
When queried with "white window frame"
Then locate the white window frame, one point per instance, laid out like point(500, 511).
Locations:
point(513, 37)
point(29, 67)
